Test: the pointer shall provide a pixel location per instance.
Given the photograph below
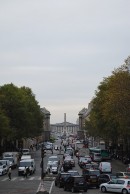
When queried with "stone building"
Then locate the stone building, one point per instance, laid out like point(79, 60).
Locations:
point(46, 124)
point(68, 128)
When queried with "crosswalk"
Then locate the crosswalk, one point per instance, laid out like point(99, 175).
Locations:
point(32, 178)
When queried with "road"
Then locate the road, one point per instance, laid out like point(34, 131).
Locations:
point(21, 185)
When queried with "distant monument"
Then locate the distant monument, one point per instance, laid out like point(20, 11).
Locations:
point(65, 123)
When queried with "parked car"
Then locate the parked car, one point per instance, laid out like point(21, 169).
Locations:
point(116, 186)
point(75, 183)
point(60, 179)
point(3, 169)
point(91, 177)
point(105, 167)
point(123, 175)
point(104, 178)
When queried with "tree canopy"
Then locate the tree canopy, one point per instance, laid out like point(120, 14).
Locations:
point(20, 114)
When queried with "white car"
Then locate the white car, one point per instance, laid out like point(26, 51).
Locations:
point(116, 186)
point(3, 169)
point(54, 168)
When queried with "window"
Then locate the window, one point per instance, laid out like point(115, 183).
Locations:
point(121, 182)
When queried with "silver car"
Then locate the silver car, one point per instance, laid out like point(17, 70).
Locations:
point(116, 186)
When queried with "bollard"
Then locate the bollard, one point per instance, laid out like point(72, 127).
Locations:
point(41, 189)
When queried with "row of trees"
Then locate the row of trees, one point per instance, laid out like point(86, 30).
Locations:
point(20, 114)
point(110, 115)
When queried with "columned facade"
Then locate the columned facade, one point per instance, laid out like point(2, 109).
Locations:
point(70, 128)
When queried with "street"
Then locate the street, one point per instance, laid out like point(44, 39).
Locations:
point(29, 185)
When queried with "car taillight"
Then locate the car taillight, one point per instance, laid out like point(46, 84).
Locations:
point(128, 186)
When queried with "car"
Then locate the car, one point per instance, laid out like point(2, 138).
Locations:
point(28, 163)
point(82, 161)
point(26, 151)
point(67, 165)
point(52, 159)
point(6, 162)
point(60, 179)
point(105, 167)
point(91, 177)
point(75, 183)
point(3, 169)
point(123, 174)
point(104, 178)
point(89, 158)
point(48, 147)
point(116, 186)
point(54, 168)
point(56, 147)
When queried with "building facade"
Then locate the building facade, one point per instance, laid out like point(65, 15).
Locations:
point(65, 127)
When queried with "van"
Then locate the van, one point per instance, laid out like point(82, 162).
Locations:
point(30, 163)
point(96, 157)
point(105, 167)
point(12, 157)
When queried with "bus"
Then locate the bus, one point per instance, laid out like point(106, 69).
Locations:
point(104, 152)
point(94, 150)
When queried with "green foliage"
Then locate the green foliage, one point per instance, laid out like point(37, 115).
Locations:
point(109, 117)
point(20, 112)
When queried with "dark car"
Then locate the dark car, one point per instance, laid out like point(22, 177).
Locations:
point(91, 177)
point(75, 183)
point(60, 179)
point(104, 178)
point(67, 165)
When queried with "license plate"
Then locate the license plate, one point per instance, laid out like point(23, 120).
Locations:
point(93, 181)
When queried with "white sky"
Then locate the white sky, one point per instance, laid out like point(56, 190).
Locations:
point(62, 49)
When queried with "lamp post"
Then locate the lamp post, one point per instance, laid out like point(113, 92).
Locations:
point(42, 162)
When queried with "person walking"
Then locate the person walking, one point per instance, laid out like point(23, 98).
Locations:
point(9, 173)
point(25, 172)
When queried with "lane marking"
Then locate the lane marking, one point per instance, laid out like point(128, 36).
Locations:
point(51, 187)
point(5, 179)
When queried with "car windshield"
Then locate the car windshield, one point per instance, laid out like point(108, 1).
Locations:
point(79, 179)
point(23, 164)
point(10, 159)
point(65, 175)
point(52, 159)
point(74, 173)
point(95, 172)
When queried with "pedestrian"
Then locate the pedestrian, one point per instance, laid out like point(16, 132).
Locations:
point(25, 172)
point(9, 173)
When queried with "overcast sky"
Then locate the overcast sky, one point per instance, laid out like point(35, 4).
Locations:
point(62, 49)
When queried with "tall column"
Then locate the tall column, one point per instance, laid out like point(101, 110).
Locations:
point(65, 123)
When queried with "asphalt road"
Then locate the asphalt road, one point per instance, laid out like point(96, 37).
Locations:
point(29, 185)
